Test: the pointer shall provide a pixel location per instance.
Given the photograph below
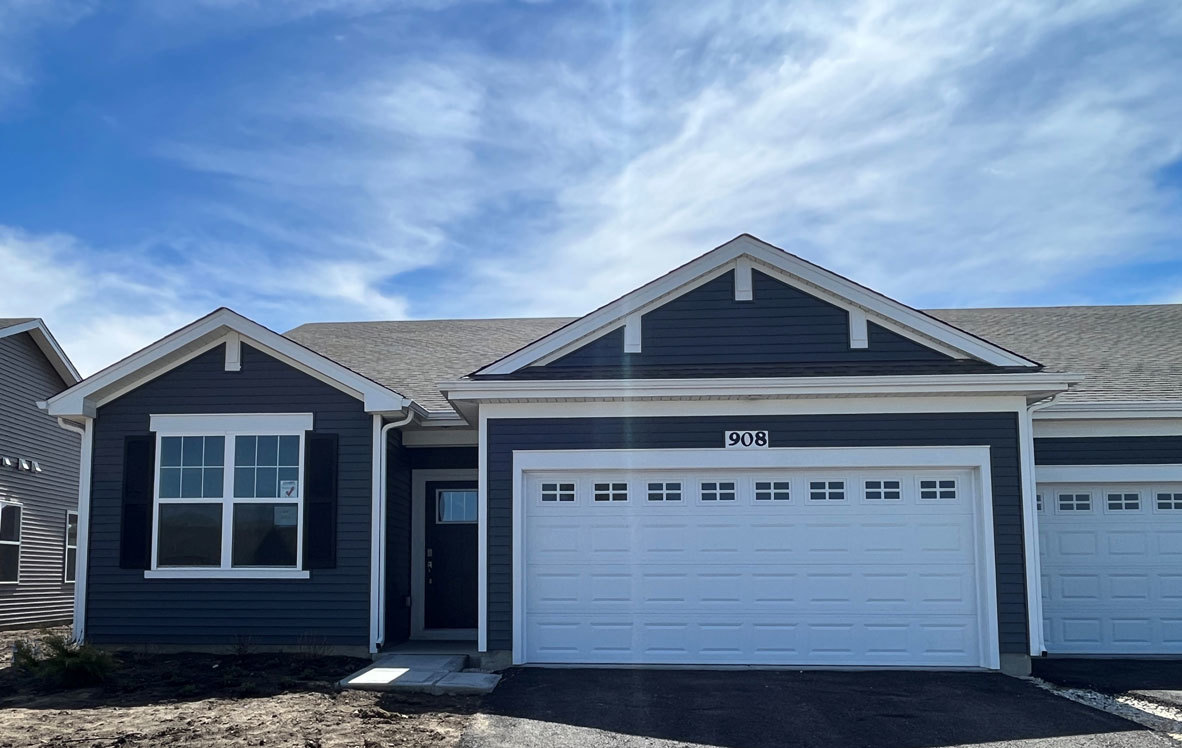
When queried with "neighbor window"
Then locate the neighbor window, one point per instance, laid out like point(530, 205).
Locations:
point(883, 489)
point(1124, 502)
point(1075, 502)
point(718, 491)
point(827, 490)
point(611, 492)
point(1169, 501)
point(937, 489)
point(774, 490)
point(10, 543)
point(231, 499)
point(71, 557)
point(456, 508)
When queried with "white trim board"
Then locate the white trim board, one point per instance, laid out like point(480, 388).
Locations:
point(724, 258)
point(418, 542)
point(84, 398)
point(975, 458)
point(1108, 473)
point(1064, 427)
point(1030, 538)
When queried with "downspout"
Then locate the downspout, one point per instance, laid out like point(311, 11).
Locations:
point(83, 541)
point(379, 518)
point(1034, 565)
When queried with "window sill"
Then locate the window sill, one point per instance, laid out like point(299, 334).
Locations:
point(227, 574)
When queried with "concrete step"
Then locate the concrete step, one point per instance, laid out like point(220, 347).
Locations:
point(421, 673)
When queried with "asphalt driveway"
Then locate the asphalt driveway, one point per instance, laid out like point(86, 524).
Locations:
point(553, 708)
point(1158, 680)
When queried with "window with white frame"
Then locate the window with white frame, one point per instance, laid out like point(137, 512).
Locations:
point(1075, 502)
point(455, 507)
point(664, 491)
point(773, 490)
point(556, 492)
point(70, 562)
point(944, 488)
point(717, 491)
point(1169, 501)
point(245, 516)
point(1123, 502)
point(611, 492)
point(880, 490)
point(827, 490)
point(10, 543)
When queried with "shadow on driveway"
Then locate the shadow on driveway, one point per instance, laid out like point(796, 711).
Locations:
point(1156, 679)
point(775, 709)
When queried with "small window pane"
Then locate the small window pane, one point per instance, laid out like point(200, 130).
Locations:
point(71, 529)
point(1121, 502)
point(190, 535)
point(170, 451)
point(289, 450)
point(212, 483)
point(71, 563)
point(611, 492)
point(456, 507)
point(265, 534)
point(170, 483)
point(1169, 501)
point(244, 450)
point(244, 482)
point(1075, 502)
point(191, 483)
point(10, 522)
point(266, 483)
point(192, 451)
point(10, 559)
point(268, 451)
point(215, 451)
point(564, 492)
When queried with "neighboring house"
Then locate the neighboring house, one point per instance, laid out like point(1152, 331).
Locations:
point(749, 460)
point(38, 480)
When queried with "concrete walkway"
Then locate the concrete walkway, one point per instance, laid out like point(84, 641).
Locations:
point(421, 673)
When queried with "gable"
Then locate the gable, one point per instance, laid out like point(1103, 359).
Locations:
point(780, 331)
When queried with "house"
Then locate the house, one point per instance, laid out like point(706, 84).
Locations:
point(38, 480)
point(749, 460)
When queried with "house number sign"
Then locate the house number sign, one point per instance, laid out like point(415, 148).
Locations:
point(746, 440)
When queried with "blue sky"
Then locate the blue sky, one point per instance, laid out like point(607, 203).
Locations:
point(315, 160)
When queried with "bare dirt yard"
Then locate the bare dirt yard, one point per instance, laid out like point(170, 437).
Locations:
point(218, 701)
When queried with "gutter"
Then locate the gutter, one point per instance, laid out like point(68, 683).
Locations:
point(377, 575)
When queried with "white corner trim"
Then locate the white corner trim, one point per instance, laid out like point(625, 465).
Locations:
point(194, 424)
point(1030, 540)
point(83, 547)
point(482, 536)
point(233, 352)
point(722, 259)
point(975, 458)
point(226, 574)
point(376, 537)
point(859, 334)
point(1109, 473)
point(85, 397)
point(743, 286)
point(49, 347)
point(632, 333)
point(418, 544)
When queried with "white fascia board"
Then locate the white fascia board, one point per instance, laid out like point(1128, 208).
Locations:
point(759, 387)
point(1071, 427)
point(84, 398)
point(49, 347)
point(724, 258)
point(211, 423)
point(1132, 409)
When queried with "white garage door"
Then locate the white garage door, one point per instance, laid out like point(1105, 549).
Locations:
point(1112, 568)
point(797, 567)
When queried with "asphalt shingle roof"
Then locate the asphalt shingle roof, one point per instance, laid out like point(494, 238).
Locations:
point(1125, 352)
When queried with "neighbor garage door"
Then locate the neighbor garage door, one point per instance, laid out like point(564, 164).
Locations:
point(802, 567)
point(1112, 568)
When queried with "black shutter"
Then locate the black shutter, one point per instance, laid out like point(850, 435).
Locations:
point(320, 501)
point(139, 470)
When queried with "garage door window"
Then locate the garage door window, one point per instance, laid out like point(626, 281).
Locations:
point(937, 489)
point(611, 491)
point(1124, 502)
point(827, 490)
point(1169, 501)
point(664, 491)
point(1075, 502)
point(776, 490)
point(883, 490)
point(718, 491)
point(556, 492)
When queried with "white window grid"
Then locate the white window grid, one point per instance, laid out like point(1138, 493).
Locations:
point(1167, 500)
point(1038, 501)
point(882, 489)
point(558, 492)
point(659, 491)
point(718, 491)
point(828, 489)
point(1122, 501)
point(772, 491)
point(1072, 502)
point(609, 492)
point(939, 489)
point(9, 509)
point(227, 500)
point(70, 569)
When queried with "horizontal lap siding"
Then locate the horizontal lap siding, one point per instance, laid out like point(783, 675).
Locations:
point(398, 541)
point(999, 431)
point(1108, 450)
point(331, 607)
point(26, 376)
point(707, 327)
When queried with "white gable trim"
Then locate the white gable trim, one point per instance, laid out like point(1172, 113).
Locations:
point(221, 326)
point(49, 347)
point(888, 312)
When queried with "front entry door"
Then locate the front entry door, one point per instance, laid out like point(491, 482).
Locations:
point(450, 566)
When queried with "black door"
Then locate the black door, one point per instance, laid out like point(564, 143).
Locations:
point(450, 566)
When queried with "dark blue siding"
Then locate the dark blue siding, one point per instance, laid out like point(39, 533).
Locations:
point(442, 458)
point(398, 515)
point(331, 607)
point(1108, 450)
point(781, 326)
point(997, 430)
